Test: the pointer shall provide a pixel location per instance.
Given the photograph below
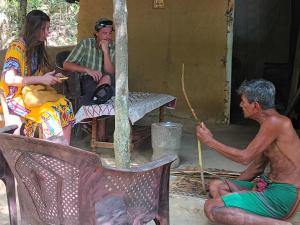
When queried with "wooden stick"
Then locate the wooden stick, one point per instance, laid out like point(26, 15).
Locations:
point(214, 173)
point(197, 119)
point(185, 95)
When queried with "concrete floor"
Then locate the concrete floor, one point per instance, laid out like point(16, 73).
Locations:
point(184, 210)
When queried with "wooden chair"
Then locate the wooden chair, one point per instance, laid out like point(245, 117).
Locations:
point(67, 186)
point(8, 179)
point(71, 87)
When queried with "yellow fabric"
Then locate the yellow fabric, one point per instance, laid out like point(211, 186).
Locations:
point(37, 95)
point(37, 106)
point(16, 50)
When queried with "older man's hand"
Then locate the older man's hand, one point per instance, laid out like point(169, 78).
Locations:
point(204, 134)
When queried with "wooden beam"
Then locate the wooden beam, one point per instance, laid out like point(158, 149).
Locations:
point(122, 126)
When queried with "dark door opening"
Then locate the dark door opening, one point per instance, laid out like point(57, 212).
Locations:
point(264, 46)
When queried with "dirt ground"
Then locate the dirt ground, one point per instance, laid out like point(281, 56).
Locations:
point(186, 206)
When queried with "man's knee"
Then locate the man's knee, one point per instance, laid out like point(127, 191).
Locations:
point(105, 79)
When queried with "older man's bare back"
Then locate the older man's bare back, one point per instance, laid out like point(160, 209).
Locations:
point(284, 152)
point(254, 198)
point(276, 143)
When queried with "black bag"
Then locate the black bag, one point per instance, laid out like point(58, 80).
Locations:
point(102, 94)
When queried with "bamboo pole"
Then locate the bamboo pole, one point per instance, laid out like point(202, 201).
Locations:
point(197, 120)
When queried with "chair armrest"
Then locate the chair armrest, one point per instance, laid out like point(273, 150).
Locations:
point(9, 129)
point(117, 193)
point(167, 159)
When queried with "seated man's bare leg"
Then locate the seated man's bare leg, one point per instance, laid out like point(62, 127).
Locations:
point(216, 212)
point(218, 188)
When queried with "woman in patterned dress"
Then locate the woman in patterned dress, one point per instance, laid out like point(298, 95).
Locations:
point(24, 64)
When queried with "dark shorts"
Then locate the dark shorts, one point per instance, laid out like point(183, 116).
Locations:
point(89, 85)
point(277, 200)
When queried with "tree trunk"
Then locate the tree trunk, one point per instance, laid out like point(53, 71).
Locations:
point(22, 14)
point(122, 126)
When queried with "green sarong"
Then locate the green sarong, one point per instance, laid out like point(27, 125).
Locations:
point(277, 200)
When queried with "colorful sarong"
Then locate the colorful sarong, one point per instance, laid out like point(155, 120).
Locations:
point(52, 117)
point(265, 198)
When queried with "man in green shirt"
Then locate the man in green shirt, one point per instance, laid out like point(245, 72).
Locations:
point(93, 58)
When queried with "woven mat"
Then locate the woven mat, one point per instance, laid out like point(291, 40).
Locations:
point(187, 187)
point(188, 182)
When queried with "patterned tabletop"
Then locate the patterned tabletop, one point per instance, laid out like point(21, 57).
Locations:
point(139, 104)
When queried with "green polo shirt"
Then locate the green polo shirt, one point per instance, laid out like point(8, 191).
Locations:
point(87, 54)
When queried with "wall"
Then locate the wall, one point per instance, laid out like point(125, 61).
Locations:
point(189, 31)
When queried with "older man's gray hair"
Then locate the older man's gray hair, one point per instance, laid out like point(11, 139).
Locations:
point(260, 91)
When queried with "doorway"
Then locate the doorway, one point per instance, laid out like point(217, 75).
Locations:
point(264, 44)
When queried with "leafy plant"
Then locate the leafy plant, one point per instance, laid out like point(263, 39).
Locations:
point(63, 17)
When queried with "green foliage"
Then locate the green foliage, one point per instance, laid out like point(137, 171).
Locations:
point(63, 15)
point(8, 21)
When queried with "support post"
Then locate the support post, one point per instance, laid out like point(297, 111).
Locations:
point(122, 126)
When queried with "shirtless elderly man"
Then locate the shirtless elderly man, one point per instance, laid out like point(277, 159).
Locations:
point(254, 198)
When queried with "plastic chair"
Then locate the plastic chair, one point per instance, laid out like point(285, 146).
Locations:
point(67, 186)
point(8, 179)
